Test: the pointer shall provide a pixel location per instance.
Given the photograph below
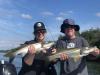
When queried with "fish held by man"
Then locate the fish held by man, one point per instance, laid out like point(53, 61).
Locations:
point(72, 53)
point(24, 49)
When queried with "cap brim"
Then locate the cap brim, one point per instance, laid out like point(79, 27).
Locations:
point(77, 28)
point(40, 29)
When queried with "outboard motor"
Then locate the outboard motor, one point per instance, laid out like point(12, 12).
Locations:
point(7, 68)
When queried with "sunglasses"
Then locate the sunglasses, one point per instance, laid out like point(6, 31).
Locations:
point(40, 31)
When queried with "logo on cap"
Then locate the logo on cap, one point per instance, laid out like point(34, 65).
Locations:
point(39, 24)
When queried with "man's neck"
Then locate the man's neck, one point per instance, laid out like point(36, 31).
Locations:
point(39, 41)
point(71, 37)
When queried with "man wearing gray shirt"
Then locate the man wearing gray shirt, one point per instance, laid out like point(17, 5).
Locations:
point(67, 65)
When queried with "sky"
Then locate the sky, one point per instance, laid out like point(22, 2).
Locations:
point(17, 18)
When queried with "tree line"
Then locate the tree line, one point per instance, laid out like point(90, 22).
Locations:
point(92, 36)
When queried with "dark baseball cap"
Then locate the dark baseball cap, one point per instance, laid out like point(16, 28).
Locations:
point(39, 26)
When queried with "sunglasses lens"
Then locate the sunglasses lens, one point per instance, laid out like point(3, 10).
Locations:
point(40, 31)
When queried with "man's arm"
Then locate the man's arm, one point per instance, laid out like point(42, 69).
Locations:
point(29, 58)
point(96, 51)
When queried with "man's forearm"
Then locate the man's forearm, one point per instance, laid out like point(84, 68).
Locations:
point(29, 58)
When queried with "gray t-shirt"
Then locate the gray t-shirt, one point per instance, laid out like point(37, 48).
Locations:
point(71, 67)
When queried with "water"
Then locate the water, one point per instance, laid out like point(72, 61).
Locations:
point(93, 67)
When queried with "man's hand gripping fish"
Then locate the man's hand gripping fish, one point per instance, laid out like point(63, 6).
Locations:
point(74, 53)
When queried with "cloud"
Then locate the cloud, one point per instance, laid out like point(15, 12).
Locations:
point(59, 18)
point(9, 44)
point(98, 14)
point(2, 2)
point(70, 12)
point(47, 13)
point(14, 31)
point(5, 13)
point(65, 13)
point(26, 16)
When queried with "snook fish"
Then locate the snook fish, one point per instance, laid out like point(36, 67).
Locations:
point(74, 53)
point(24, 49)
